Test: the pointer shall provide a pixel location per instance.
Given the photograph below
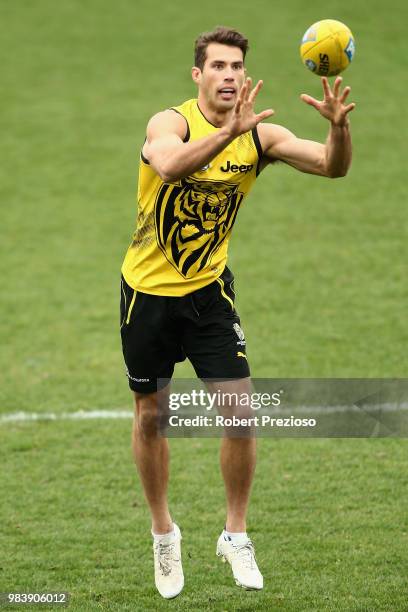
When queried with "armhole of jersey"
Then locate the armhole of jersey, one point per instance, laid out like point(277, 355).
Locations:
point(187, 136)
point(257, 142)
point(144, 159)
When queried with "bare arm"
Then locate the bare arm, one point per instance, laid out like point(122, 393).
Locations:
point(174, 159)
point(338, 150)
point(331, 159)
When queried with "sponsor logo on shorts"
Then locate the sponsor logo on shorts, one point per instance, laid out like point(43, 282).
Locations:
point(138, 380)
point(240, 334)
point(239, 354)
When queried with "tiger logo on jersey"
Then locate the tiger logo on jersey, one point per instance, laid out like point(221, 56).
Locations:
point(192, 221)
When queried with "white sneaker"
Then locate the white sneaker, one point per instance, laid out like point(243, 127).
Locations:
point(241, 557)
point(168, 571)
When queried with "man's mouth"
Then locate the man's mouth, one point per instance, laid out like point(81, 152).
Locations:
point(227, 93)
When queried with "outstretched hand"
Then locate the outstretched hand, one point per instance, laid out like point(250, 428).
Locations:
point(333, 106)
point(244, 118)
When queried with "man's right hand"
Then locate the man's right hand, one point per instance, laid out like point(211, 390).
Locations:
point(243, 118)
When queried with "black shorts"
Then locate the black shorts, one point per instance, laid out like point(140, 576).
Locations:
point(158, 331)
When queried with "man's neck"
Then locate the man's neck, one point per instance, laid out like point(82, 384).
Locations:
point(217, 118)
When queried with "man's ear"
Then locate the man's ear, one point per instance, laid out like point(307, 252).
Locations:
point(196, 75)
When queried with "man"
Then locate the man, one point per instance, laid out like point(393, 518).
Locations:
point(198, 162)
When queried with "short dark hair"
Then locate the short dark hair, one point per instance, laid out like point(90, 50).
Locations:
point(221, 35)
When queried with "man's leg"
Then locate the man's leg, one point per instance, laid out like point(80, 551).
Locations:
point(150, 348)
point(215, 344)
point(238, 458)
point(151, 454)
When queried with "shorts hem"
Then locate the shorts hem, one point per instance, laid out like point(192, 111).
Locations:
point(147, 388)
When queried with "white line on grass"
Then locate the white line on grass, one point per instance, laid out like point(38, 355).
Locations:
point(82, 415)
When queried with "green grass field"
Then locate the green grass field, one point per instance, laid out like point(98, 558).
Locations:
point(320, 269)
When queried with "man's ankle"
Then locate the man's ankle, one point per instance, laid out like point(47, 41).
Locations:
point(162, 527)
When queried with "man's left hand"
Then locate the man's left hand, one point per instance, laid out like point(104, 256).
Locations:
point(333, 106)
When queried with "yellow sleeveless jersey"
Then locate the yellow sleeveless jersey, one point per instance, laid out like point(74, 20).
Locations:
point(183, 228)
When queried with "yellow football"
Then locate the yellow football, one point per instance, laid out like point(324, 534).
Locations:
point(327, 47)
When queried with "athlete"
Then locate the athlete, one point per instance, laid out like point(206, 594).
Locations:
point(198, 162)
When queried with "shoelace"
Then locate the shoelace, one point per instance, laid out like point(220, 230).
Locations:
point(247, 554)
point(165, 553)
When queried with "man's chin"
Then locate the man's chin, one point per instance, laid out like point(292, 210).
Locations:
point(225, 104)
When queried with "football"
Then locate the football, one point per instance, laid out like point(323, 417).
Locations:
point(327, 47)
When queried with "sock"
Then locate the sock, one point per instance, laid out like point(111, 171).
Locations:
point(159, 536)
point(235, 537)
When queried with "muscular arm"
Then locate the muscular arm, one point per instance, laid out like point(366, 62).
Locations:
point(331, 159)
point(174, 159)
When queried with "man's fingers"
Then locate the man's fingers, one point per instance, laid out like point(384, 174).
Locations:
point(264, 115)
point(255, 92)
point(239, 101)
point(349, 108)
point(241, 98)
point(246, 96)
point(248, 87)
point(326, 88)
point(336, 87)
point(345, 94)
point(243, 94)
point(309, 100)
point(243, 90)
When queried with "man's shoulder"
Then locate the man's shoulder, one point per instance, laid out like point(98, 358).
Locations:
point(174, 118)
point(166, 118)
point(177, 109)
point(169, 120)
point(186, 106)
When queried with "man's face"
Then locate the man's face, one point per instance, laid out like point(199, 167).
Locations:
point(222, 76)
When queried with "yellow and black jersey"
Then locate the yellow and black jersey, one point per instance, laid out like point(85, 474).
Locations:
point(183, 228)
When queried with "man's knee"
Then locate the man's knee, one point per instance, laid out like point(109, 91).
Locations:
point(150, 412)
